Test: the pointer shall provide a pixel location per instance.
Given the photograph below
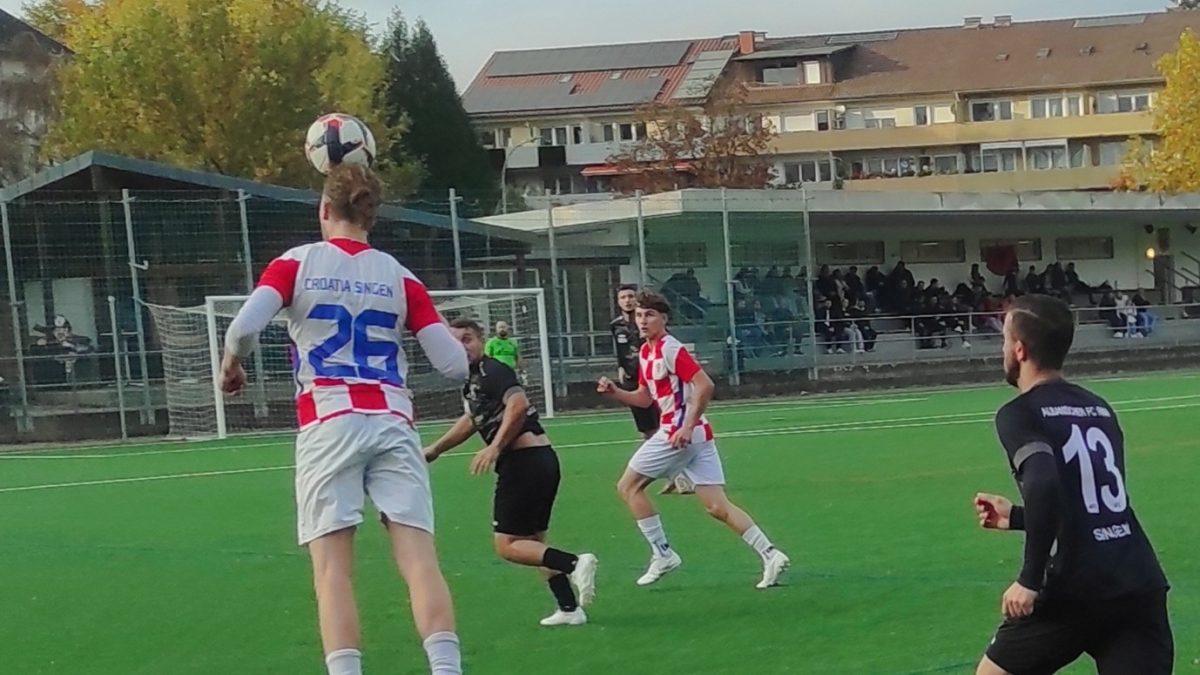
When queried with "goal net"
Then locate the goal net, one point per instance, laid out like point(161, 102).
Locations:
point(192, 340)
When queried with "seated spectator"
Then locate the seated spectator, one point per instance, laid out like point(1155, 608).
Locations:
point(1057, 281)
point(920, 291)
point(829, 325)
point(991, 316)
point(1126, 316)
point(934, 289)
point(752, 334)
point(866, 335)
point(855, 288)
point(928, 325)
point(1108, 312)
point(874, 282)
point(955, 316)
point(1011, 287)
point(825, 283)
point(977, 280)
point(964, 293)
point(1145, 318)
point(1033, 281)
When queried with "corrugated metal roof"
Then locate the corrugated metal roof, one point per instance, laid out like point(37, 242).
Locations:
point(11, 26)
point(584, 59)
point(47, 178)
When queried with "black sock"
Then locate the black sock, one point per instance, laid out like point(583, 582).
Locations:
point(559, 561)
point(560, 586)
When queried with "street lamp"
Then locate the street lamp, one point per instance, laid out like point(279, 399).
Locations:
point(504, 170)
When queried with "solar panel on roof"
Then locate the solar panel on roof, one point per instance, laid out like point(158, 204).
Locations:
point(561, 96)
point(585, 59)
point(856, 38)
point(1100, 21)
point(703, 75)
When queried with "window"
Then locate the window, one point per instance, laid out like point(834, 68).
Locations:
point(677, 254)
point(780, 74)
point(849, 253)
point(880, 122)
point(626, 132)
point(1123, 102)
point(921, 115)
point(1077, 156)
point(806, 171)
point(1001, 159)
point(822, 120)
point(1047, 158)
point(941, 251)
point(577, 135)
point(1075, 106)
point(610, 134)
point(639, 130)
point(764, 253)
point(988, 111)
point(487, 138)
point(812, 72)
point(554, 136)
point(945, 164)
point(1026, 249)
point(1112, 153)
point(1084, 248)
point(503, 137)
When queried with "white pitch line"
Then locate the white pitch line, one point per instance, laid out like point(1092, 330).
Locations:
point(783, 431)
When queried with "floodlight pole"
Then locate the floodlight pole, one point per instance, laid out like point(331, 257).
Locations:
point(735, 374)
point(147, 415)
point(24, 422)
point(560, 382)
point(814, 373)
point(458, 263)
point(260, 385)
point(641, 235)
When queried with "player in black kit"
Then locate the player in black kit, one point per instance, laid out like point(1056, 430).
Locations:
point(527, 476)
point(1090, 582)
point(627, 345)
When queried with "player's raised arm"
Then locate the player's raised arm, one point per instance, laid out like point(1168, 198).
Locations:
point(455, 436)
point(442, 349)
point(274, 292)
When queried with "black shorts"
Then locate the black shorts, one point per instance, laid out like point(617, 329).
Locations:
point(526, 485)
point(1126, 635)
point(646, 419)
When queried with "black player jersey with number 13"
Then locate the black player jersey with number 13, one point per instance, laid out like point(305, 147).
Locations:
point(1101, 550)
point(486, 392)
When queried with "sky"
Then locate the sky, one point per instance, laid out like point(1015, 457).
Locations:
point(468, 31)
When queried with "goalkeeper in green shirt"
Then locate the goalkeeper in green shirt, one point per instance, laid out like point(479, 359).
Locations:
point(503, 348)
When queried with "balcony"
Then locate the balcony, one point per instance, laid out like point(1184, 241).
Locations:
point(1086, 126)
point(522, 157)
point(1084, 178)
point(593, 153)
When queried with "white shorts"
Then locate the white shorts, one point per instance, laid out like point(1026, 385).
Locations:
point(699, 460)
point(341, 460)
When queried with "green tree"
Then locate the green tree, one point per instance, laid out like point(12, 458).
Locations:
point(222, 85)
point(1173, 163)
point(419, 92)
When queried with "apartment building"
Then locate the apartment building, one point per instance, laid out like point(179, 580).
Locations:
point(988, 105)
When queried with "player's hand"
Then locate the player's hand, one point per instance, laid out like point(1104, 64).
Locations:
point(233, 376)
point(484, 460)
point(605, 386)
point(682, 436)
point(431, 454)
point(1017, 602)
point(994, 511)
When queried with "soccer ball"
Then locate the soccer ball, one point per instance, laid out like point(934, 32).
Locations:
point(339, 139)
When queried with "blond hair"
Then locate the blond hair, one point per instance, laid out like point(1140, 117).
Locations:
point(354, 193)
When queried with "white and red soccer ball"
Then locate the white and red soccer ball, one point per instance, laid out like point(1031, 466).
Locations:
point(339, 139)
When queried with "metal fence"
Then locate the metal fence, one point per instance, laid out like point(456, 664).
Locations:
point(739, 270)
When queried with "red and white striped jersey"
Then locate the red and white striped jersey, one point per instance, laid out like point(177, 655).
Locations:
point(667, 369)
point(347, 305)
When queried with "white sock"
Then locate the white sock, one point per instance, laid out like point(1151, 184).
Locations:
point(652, 530)
point(757, 541)
point(444, 657)
point(344, 662)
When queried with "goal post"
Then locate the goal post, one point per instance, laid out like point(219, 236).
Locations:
point(193, 345)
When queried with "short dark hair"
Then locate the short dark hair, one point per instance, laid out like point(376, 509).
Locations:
point(648, 299)
point(1045, 326)
point(467, 324)
point(626, 287)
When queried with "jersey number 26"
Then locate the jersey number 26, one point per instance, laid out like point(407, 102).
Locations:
point(353, 329)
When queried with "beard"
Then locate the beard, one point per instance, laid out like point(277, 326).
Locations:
point(1012, 371)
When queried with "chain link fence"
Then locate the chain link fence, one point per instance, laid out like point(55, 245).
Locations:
point(751, 278)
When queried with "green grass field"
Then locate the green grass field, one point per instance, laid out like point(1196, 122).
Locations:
point(196, 571)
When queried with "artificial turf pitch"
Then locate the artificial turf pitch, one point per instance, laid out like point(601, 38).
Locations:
point(196, 570)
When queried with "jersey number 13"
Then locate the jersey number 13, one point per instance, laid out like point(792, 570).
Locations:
point(1084, 447)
